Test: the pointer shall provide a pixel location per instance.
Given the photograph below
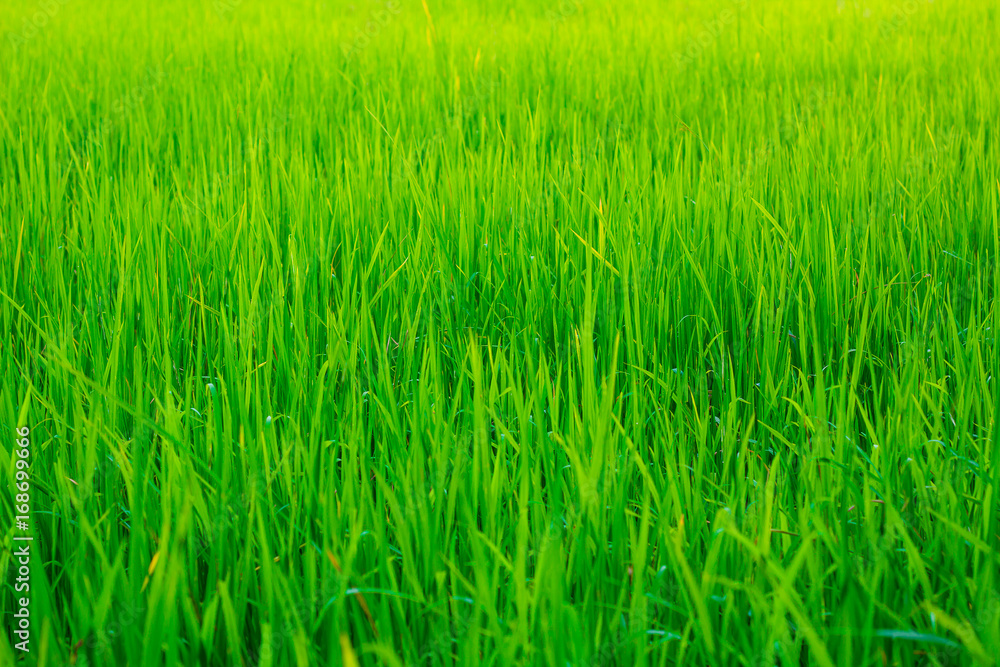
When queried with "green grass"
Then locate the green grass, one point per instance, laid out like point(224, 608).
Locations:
point(597, 333)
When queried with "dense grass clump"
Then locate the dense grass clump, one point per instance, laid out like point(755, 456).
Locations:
point(439, 333)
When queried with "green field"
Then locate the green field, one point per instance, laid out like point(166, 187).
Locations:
point(436, 333)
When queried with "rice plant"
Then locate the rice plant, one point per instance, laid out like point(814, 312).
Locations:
point(543, 333)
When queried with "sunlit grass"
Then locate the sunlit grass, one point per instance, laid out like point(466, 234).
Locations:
point(445, 334)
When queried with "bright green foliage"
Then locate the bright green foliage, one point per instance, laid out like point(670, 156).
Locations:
point(570, 333)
